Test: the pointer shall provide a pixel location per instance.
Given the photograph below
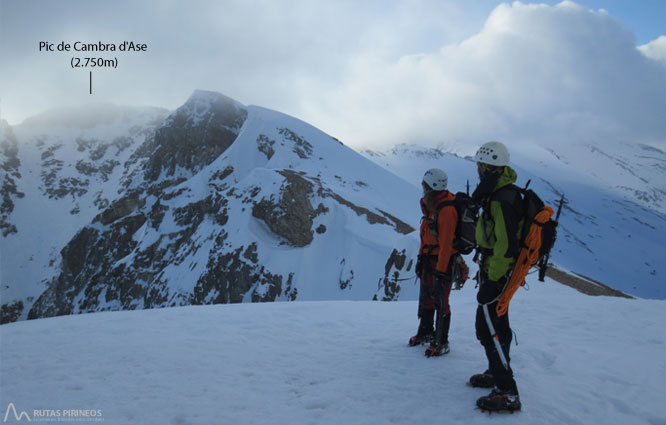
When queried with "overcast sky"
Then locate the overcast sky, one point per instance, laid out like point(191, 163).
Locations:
point(372, 73)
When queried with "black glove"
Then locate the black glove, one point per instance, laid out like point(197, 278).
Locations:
point(441, 276)
point(490, 290)
point(419, 265)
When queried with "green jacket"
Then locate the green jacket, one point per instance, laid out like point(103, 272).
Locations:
point(499, 226)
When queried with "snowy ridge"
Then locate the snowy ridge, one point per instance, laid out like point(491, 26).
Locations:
point(226, 203)
point(218, 202)
point(607, 232)
point(580, 361)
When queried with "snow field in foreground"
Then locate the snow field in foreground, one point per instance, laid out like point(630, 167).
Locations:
point(580, 360)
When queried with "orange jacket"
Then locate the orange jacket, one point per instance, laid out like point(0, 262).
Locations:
point(439, 243)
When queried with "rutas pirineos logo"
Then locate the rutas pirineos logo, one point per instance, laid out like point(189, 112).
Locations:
point(17, 416)
point(53, 415)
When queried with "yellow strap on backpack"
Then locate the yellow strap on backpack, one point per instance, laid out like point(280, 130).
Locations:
point(528, 256)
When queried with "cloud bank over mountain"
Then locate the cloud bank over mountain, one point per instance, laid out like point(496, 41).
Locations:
point(533, 73)
point(372, 74)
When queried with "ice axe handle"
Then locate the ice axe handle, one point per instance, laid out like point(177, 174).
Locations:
point(543, 264)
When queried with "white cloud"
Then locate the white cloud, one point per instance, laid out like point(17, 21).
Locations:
point(655, 50)
point(533, 73)
point(261, 51)
point(370, 72)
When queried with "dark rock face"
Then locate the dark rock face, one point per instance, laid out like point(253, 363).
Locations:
point(120, 208)
point(302, 147)
point(87, 268)
point(232, 275)
point(56, 186)
point(396, 262)
point(373, 218)
point(291, 215)
point(11, 312)
point(10, 166)
point(195, 135)
point(107, 269)
point(345, 283)
point(265, 145)
point(400, 226)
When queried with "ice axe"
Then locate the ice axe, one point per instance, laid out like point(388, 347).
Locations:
point(543, 264)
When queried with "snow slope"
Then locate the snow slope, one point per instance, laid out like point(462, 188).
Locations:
point(612, 228)
point(580, 360)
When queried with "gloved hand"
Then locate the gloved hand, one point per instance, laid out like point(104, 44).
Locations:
point(460, 272)
point(464, 271)
point(490, 290)
point(419, 266)
point(440, 276)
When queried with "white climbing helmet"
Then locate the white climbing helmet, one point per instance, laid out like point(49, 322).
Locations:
point(493, 153)
point(436, 179)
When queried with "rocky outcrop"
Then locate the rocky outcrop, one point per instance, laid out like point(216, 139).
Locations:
point(290, 215)
point(390, 283)
point(88, 269)
point(195, 135)
point(105, 268)
point(373, 218)
point(232, 276)
point(11, 312)
point(301, 147)
point(9, 163)
point(265, 145)
point(120, 208)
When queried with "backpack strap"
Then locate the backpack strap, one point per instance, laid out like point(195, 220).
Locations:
point(438, 208)
point(510, 194)
point(510, 198)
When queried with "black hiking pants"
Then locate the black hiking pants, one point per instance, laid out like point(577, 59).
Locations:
point(489, 291)
point(434, 298)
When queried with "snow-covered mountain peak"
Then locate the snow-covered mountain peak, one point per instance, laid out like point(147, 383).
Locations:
point(193, 136)
point(221, 203)
point(203, 104)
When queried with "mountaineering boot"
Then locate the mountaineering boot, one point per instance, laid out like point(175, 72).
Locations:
point(500, 401)
point(426, 330)
point(437, 350)
point(420, 339)
point(482, 380)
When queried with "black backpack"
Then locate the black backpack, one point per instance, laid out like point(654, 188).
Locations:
point(531, 206)
point(468, 213)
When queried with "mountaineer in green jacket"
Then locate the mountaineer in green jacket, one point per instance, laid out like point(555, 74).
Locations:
point(498, 236)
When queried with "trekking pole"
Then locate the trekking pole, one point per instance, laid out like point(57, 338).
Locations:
point(543, 264)
point(494, 336)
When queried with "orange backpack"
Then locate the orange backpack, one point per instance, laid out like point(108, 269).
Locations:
point(538, 238)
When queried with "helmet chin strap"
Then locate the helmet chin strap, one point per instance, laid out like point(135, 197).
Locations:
point(426, 188)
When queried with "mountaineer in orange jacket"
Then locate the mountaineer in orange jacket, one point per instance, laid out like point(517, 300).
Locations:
point(434, 263)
